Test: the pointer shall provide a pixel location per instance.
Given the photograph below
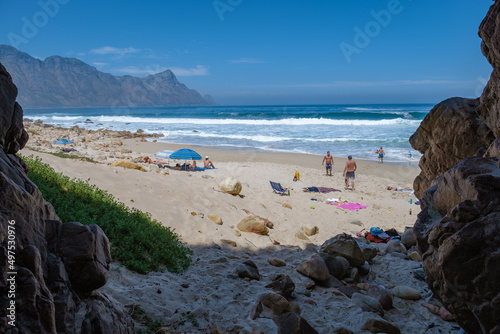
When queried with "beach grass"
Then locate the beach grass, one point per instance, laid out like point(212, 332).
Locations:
point(72, 156)
point(139, 242)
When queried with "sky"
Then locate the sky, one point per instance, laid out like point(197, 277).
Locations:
point(257, 52)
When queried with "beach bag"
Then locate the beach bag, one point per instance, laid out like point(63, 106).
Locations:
point(392, 232)
point(297, 175)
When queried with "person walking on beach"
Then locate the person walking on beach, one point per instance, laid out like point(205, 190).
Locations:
point(381, 154)
point(329, 163)
point(350, 168)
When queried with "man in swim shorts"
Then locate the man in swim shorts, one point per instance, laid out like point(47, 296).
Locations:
point(380, 155)
point(350, 168)
point(329, 163)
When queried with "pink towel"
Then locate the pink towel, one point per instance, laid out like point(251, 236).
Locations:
point(352, 206)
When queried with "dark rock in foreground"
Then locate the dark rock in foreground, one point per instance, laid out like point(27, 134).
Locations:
point(451, 132)
point(58, 266)
point(458, 233)
point(458, 229)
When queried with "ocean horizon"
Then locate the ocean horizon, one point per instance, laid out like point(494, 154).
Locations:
point(357, 130)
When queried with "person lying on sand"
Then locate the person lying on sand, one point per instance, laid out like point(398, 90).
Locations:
point(398, 188)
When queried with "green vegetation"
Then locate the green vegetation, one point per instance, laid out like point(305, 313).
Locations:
point(137, 241)
point(72, 156)
point(139, 315)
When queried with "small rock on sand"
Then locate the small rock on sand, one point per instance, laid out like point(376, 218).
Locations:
point(310, 230)
point(406, 292)
point(228, 242)
point(216, 219)
point(276, 262)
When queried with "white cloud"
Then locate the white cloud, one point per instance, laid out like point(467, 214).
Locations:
point(380, 83)
point(178, 71)
point(105, 50)
point(246, 61)
point(99, 64)
point(189, 72)
point(134, 70)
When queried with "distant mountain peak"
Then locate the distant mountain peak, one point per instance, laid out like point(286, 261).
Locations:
point(59, 82)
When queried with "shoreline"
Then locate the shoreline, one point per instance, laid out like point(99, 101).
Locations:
point(413, 163)
point(313, 161)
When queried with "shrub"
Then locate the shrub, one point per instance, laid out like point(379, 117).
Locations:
point(137, 241)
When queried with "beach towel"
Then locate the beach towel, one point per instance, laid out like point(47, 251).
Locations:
point(319, 190)
point(352, 206)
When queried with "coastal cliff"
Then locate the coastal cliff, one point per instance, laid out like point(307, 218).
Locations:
point(58, 82)
point(459, 226)
point(48, 270)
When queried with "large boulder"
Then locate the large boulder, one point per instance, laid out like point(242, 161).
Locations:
point(57, 270)
point(450, 132)
point(337, 265)
point(85, 254)
point(346, 246)
point(315, 268)
point(292, 323)
point(253, 224)
point(458, 234)
point(230, 185)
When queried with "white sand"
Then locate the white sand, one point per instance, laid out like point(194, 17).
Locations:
point(213, 295)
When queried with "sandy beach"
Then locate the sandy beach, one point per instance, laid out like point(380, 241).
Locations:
point(209, 289)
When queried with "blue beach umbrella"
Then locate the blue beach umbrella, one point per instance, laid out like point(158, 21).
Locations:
point(64, 141)
point(165, 154)
point(185, 154)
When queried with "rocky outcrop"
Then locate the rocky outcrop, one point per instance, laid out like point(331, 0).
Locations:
point(457, 230)
point(449, 133)
point(489, 31)
point(48, 270)
point(458, 234)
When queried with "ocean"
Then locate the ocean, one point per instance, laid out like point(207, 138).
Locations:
point(357, 130)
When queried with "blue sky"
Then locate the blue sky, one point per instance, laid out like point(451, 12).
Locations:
point(246, 52)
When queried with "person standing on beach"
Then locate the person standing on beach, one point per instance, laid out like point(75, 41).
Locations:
point(350, 168)
point(381, 154)
point(329, 163)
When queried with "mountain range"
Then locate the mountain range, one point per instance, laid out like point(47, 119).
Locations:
point(59, 82)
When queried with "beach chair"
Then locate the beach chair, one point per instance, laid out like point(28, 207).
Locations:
point(279, 189)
